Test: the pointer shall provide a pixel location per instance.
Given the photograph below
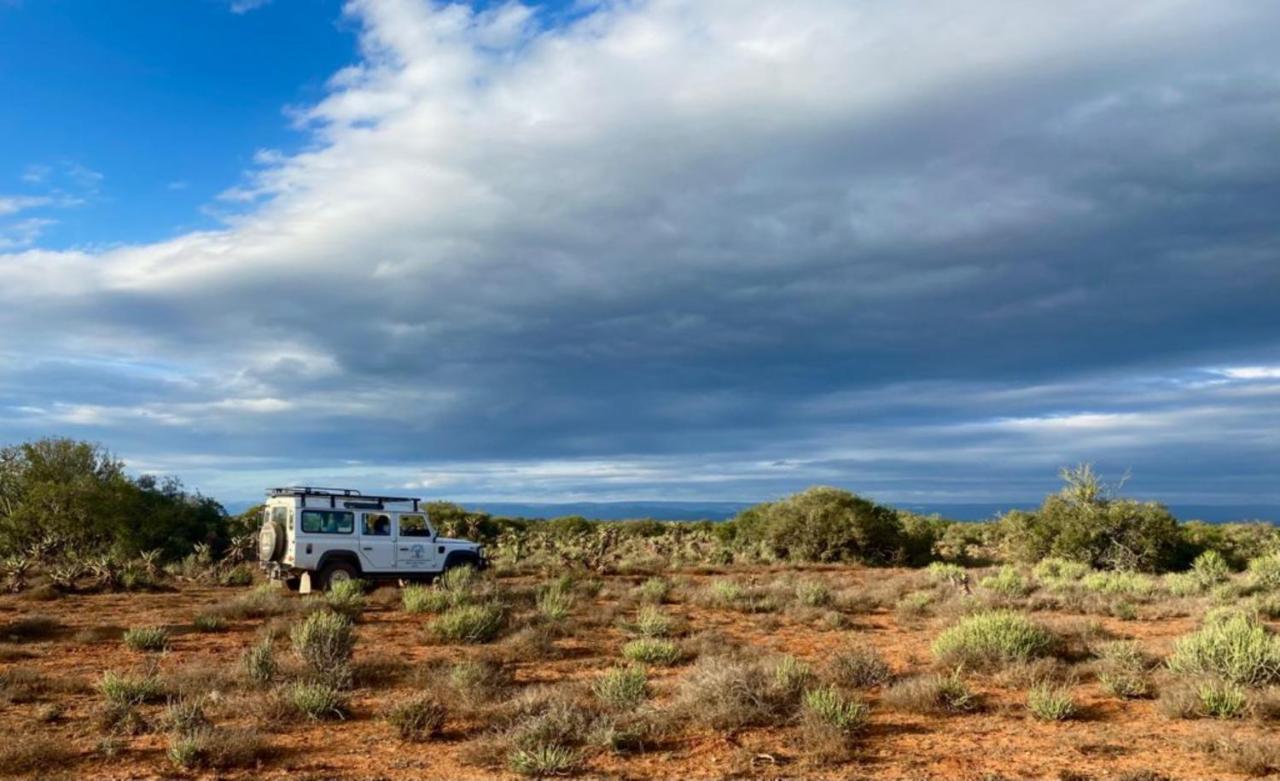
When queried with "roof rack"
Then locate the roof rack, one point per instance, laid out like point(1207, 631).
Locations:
point(354, 498)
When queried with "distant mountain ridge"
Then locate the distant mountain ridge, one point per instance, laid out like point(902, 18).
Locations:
point(719, 511)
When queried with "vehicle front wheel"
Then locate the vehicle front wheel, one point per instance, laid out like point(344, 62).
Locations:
point(336, 572)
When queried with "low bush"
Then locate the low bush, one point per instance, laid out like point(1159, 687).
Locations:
point(209, 622)
point(1051, 703)
point(829, 707)
point(652, 650)
point(317, 701)
point(1122, 670)
point(546, 759)
point(259, 661)
point(1008, 582)
point(932, 694)
point(130, 688)
point(652, 622)
point(830, 722)
point(654, 590)
point(1054, 570)
point(622, 687)
point(469, 623)
point(990, 640)
point(1236, 647)
point(477, 682)
point(25, 753)
point(555, 603)
point(218, 748)
point(238, 576)
point(324, 641)
point(346, 597)
point(418, 718)
point(944, 572)
point(147, 638)
point(859, 667)
point(725, 693)
point(1264, 572)
point(1250, 756)
point(1222, 700)
point(813, 593)
point(184, 715)
point(417, 598)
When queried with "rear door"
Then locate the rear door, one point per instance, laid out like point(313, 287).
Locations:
point(416, 549)
point(377, 542)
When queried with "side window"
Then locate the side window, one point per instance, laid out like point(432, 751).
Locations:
point(280, 515)
point(414, 526)
point(328, 522)
point(375, 525)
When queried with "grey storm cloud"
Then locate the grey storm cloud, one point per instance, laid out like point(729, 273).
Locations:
point(713, 249)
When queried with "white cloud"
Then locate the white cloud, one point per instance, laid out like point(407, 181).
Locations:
point(245, 6)
point(670, 224)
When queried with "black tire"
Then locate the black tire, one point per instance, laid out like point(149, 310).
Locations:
point(341, 569)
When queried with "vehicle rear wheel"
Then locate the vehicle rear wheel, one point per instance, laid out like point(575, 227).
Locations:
point(336, 572)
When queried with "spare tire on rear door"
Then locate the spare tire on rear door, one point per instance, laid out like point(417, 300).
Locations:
point(271, 540)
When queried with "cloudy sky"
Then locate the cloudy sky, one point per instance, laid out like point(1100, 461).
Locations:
point(662, 249)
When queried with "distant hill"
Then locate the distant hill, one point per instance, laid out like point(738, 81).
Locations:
point(719, 511)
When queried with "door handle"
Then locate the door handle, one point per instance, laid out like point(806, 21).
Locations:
point(367, 547)
point(406, 550)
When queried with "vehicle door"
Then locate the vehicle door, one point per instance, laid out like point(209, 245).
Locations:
point(416, 548)
point(377, 542)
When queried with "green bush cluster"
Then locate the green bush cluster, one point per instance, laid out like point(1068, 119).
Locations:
point(993, 639)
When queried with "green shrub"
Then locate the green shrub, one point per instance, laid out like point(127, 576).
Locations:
point(469, 623)
point(423, 599)
point(1222, 699)
point(418, 718)
point(555, 603)
point(1051, 703)
point(259, 661)
point(914, 605)
point(813, 593)
point(859, 667)
point(209, 622)
point(1264, 572)
point(324, 641)
point(185, 715)
point(622, 687)
point(944, 572)
point(1054, 569)
point(130, 688)
point(317, 701)
point(458, 582)
point(830, 707)
point(1129, 584)
point(724, 592)
point(1210, 568)
point(652, 622)
point(1084, 523)
point(993, 639)
point(477, 682)
point(546, 759)
point(346, 597)
point(654, 590)
point(821, 524)
point(1123, 670)
point(217, 748)
point(651, 650)
point(1237, 648)
point(147, 638)
point(1007, 582)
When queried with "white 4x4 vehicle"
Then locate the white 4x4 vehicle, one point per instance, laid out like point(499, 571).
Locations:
point(316, 537)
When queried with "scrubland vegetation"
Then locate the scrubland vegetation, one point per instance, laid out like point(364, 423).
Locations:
point(818, 636)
